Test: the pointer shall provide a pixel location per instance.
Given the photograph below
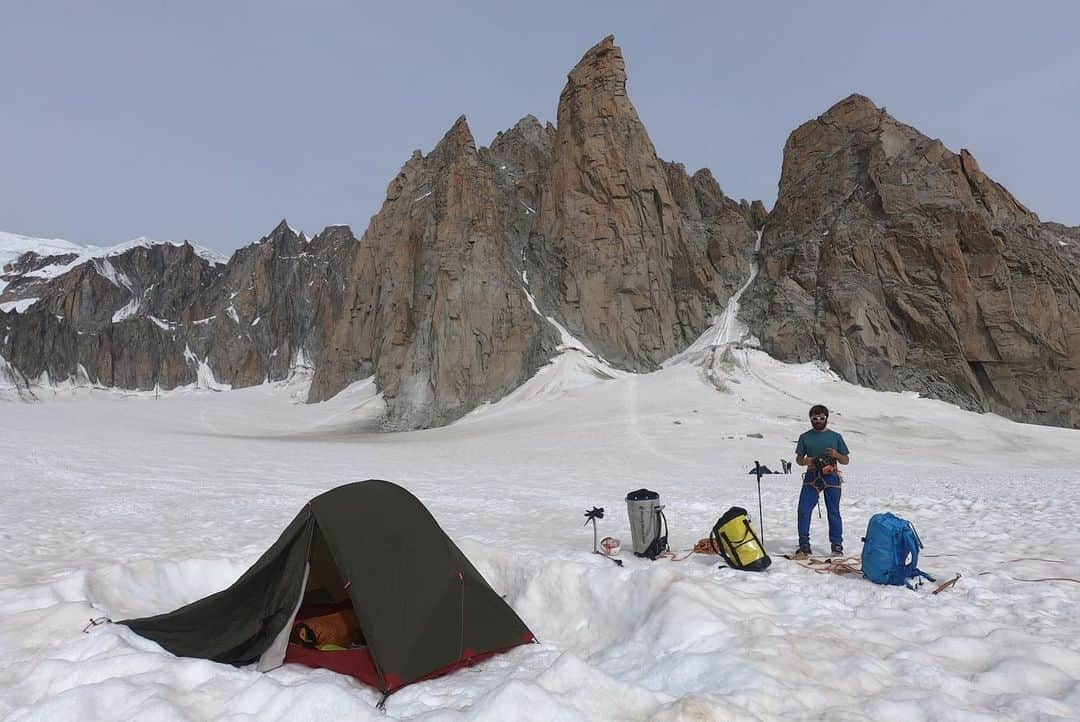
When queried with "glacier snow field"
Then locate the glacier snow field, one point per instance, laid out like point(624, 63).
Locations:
point(130, 504)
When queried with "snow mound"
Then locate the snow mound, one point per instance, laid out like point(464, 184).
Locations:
point(569, 372)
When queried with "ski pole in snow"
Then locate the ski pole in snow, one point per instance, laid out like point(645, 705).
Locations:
point(597, 512)
point(761, 514)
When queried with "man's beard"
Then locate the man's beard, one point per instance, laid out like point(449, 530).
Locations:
point(819, 425)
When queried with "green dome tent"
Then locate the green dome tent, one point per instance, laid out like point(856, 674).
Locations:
point(422, 607)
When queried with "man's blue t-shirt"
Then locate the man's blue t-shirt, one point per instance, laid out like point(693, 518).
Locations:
point(813, 443)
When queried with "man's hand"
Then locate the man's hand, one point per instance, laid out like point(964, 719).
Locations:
point(834, 454)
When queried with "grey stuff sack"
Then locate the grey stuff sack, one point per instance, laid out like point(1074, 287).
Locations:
point(648, 526)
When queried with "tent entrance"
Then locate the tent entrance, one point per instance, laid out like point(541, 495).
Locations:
point(326, 610)
point(325, 587)
point(325, 618)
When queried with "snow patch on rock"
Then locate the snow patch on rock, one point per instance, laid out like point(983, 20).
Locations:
point(20, 306)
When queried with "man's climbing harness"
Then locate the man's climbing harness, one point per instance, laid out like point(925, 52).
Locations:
point(824, 467)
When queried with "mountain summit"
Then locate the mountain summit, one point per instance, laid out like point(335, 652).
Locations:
point(906, 267)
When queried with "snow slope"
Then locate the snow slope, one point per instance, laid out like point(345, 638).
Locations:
point(126, 504)
point(13, 245)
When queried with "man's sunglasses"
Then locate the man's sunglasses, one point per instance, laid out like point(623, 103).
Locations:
point(819, 418)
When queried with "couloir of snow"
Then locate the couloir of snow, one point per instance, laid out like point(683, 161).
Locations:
point(125, 504)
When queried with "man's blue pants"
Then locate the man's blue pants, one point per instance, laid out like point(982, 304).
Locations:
point(808, 499)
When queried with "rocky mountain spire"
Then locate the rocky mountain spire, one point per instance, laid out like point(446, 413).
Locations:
point(610, 258)
point(906, 267)
point(435, 309)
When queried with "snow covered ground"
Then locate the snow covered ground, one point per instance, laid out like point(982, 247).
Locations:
point(130, 504)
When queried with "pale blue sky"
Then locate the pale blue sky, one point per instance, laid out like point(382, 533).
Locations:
point(210, 121)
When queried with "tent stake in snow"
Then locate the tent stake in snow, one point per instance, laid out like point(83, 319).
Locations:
point(761, 514)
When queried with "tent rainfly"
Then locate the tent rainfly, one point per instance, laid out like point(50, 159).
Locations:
point(369, 548)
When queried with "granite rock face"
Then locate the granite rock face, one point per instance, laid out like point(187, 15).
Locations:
point(608, 252)
point(434, 307)
point(274, 305)
point(1065, 238)
point(906, 267)
point(520, 158)
point(716, 226)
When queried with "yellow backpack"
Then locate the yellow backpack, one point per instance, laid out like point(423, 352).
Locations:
point(734, 539)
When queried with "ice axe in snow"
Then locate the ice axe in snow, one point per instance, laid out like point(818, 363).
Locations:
point(591, 515)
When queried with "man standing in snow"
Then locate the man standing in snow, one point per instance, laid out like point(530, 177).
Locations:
point(819, 449)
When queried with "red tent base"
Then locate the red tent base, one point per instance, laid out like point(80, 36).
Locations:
point(359, 664)
point(353, 662)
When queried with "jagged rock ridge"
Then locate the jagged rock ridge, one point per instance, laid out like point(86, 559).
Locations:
point(434, 301)
point(152, 315)
point(899, 262)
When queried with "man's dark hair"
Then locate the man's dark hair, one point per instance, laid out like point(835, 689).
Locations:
point(818, 409)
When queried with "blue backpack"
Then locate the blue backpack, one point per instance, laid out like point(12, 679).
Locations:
point(890, 553)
